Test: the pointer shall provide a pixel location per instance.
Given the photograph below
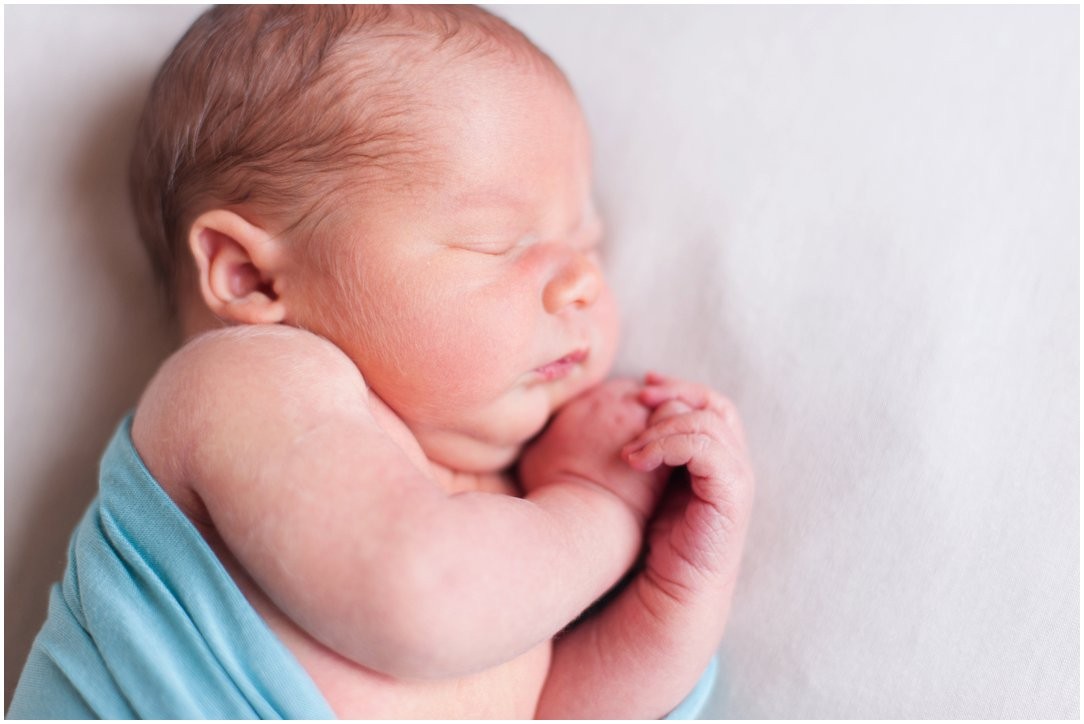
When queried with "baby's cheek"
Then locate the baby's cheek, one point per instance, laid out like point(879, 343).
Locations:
point(450, 353)
point(470, 346)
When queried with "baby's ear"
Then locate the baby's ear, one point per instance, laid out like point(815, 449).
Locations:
point(238, 265)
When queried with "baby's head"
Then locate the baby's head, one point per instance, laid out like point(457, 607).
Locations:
point(412, 183)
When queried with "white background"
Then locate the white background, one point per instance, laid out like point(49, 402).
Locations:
point(862, 223)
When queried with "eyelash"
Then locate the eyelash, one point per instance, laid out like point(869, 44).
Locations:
point(500, 252)
point(503, 250)
point(595, 247)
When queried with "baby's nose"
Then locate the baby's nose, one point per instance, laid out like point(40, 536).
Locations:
point(576, 284)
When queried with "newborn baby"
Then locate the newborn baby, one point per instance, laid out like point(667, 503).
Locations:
point(391, 423)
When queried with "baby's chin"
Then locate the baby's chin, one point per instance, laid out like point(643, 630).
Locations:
point(491, 439)
point(493, 446)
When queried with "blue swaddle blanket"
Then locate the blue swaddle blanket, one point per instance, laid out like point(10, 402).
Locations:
point(147, 623)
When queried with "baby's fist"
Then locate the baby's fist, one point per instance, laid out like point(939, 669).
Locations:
point(700, 530)
point(584, 440)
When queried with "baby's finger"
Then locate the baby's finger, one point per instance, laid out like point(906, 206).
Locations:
point(695, 395)
point(667, 410)
point(691, 422)
point(716, 476)
point(658, 389)
point(655, 378)
point(680, 448)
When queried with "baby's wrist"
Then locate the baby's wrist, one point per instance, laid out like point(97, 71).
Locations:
point(594, 485)
point(593, 499)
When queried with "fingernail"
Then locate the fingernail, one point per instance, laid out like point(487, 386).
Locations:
point(643, 462)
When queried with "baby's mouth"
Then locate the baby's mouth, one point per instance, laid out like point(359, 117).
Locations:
point(562, 367)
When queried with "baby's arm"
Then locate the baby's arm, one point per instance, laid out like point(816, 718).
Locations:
point(271, 427)
point(642, 654)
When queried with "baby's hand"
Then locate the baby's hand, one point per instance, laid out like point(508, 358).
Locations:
point(644, 650)
point(696, 538)
point(583, 443)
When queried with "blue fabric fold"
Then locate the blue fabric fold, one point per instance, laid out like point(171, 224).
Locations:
point(148, 624)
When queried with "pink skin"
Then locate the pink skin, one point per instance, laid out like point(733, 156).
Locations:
point(583, 443)
point(474, 304)
point(692, 426)
point(470, 296)
point(663, 628)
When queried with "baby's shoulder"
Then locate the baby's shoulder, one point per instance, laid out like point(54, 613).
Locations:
point(265, 353)
point(233, 383)
point(266, 361)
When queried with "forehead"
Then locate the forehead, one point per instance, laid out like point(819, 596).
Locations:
point(477, 135)
point(503, 131)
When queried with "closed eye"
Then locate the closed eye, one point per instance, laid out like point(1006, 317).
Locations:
point(496, 247)
point(488, 250)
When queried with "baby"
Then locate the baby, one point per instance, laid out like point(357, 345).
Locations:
point(390, 424)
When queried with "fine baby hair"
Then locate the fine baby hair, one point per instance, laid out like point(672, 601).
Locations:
point(276, 109)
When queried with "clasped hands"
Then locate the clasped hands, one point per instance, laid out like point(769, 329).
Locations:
point(628, 437)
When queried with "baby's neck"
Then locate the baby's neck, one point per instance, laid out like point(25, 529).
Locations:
point(457, 470)
point(463, 453)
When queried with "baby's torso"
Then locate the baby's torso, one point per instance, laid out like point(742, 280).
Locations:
point(508, 691)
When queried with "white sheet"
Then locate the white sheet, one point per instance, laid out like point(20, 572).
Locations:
point(859, 222)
